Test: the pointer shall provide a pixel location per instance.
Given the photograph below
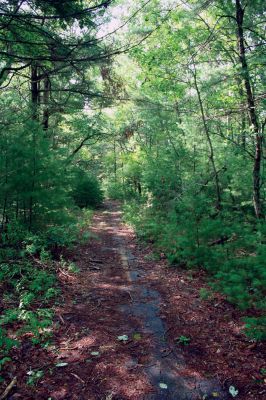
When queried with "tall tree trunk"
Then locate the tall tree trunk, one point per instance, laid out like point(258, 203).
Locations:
point(208, 136)
point(46, 94)
point(240, 11)
point(34, 91)
point(35, 111)
point(4, 217)
point(115, 161)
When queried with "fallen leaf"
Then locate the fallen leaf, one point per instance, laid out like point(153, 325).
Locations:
point(137, 336)
point(233, 391)
point(122, 338)
point(62, 364)
point(163, 385)
point(30, 372)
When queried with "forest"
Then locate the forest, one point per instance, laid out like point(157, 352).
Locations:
point(132, 127)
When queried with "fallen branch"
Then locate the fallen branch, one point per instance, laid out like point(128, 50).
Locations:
point(222, 240)
point(65, 273)
point(131, 298)
point(61, 318)
point(95, 261)
point(68, 348)
point(76, 376)
point(95, 268)
point(8, 389)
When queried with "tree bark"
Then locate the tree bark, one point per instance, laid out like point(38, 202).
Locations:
point(240, 11)
point(46, 94)
point(35, 116)
point(34, 91)
point(207, 133)
point(115, 161)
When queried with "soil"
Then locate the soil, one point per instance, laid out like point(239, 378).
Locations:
point(129, 327)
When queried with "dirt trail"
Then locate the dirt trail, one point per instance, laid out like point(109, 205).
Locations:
point(137, 367)
point(117, 293)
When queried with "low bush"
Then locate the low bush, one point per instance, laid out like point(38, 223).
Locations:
point(115, 191)
point(233, 251)
point(28, 281)
point(87, 191)
point(27, 295)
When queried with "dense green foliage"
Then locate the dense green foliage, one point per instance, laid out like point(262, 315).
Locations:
point(188, 156)
point(87, 191)
point(29, 288)
point(46, 78)
point(168, 115)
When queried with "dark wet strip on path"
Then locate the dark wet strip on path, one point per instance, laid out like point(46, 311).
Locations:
point(165, 367)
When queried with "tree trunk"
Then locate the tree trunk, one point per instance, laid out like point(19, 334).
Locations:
point(115, 161)
point(35, 111)
point(251, 111)
point(46, 94)
point(34, 92)
point(207, 132)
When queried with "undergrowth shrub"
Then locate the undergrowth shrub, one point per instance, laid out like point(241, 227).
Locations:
point(117, 191)
point(232, 250)
point(28, 281)
point(87, 191)
point(27, 294)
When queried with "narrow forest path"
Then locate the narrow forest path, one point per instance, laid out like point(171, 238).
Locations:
point(119, 292)
point(116, 298)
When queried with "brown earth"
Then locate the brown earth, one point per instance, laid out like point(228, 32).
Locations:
point(121, 290)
